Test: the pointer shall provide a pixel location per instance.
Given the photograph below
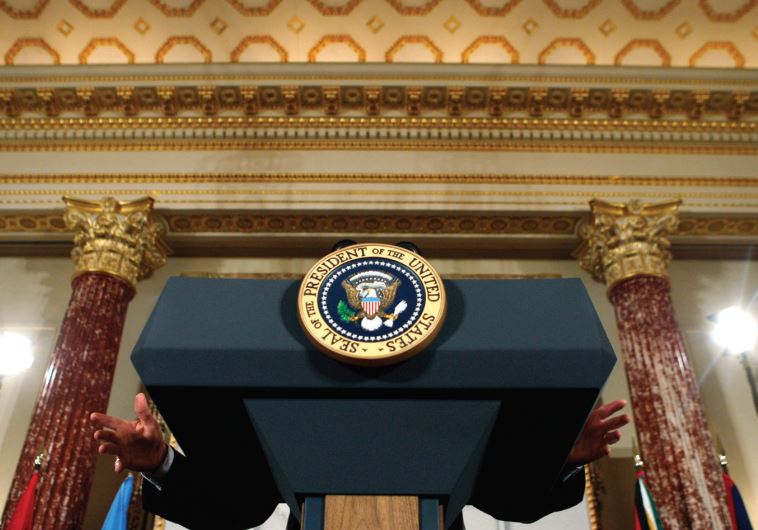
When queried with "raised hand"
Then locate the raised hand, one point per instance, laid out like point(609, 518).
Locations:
point(138, 445)
point(599, 433)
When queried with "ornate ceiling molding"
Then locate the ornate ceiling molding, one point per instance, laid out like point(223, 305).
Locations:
point(537, 236)
point(508, 108)
point(398, 100)
point(486, 201)
point(610, 181)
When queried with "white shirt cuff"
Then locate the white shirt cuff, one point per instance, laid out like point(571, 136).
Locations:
point(571, 473)
point(157, 476)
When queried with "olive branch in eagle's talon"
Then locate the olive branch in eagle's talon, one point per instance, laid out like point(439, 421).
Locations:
point(346, 314)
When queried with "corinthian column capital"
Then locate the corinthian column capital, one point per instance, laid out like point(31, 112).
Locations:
point(622, 241)
point(123, 239)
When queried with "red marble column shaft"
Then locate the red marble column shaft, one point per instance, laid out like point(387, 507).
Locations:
point(682, 469)
point(77, 382)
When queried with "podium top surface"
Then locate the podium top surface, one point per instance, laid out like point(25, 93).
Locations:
point(498, 334)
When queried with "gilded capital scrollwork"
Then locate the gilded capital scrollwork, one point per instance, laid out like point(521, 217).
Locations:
point(621, 241)
point(123, 239)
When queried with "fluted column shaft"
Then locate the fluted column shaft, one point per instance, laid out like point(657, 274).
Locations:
point(681, 466)
point(626, 247)
point(116, 244)
point(77, 382)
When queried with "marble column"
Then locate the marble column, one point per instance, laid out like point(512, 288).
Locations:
point(626, 246)
point(116, 244)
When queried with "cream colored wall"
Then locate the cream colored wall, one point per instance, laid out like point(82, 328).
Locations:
point(33, 297)
point(671, 172)
point(701, 288)
point(35, 292)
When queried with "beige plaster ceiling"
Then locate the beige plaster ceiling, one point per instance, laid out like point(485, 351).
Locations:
point(698, 33)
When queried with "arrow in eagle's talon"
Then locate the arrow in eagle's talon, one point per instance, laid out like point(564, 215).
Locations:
point(399, 308)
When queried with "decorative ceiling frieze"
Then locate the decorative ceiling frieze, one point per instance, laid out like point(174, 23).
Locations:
point(461, 158)
point(509, 108)
point(535, 236)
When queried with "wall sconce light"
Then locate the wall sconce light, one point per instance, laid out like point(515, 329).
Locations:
point(15, 353)
point(736, 331)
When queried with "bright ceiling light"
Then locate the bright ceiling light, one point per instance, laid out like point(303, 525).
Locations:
point(735, 330)
point(15, 353)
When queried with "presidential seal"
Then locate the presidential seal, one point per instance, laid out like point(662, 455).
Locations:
point(371, 304)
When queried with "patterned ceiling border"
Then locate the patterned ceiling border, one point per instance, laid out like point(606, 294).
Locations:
point(200, 123)
point(650, 14)
point(12, 77)
point(7, 78)
point(401, 224)
point(394, 178)
point(399, 100)
point(441, 197)
point(589, 118)
point(326, 204)
point(545, 143)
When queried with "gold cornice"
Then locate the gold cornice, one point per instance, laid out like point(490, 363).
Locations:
point(506, 145)
point(622, 241)
point(409, 100)
point(325, 204)
point(335, 196)
point(122, 239)
point(363, 122)
point(596, 80)
point(399, 223)
point(372, 224)
point(412, 178)
point(633, 208)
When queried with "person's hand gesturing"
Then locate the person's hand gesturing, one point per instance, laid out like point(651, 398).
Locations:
point(599, 433)
point(137, 445)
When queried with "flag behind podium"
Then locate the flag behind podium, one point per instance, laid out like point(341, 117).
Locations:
point(737, 510)
point(645, 513)
point(117, 515)
point(23, 517)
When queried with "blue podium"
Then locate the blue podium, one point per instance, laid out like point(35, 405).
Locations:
point(490, 410)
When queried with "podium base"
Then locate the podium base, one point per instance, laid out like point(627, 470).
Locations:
point(371, 512)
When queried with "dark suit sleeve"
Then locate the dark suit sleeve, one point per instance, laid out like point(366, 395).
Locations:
point(200, 498)
point(496, 502)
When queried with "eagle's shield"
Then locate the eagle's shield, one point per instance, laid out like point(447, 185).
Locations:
point(370, 305)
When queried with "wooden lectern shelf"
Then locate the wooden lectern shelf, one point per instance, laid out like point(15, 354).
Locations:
point(371, 512)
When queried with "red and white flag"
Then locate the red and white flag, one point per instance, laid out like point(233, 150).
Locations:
point(23, 517)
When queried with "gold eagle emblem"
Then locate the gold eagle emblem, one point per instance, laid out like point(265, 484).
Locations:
point(372, 302)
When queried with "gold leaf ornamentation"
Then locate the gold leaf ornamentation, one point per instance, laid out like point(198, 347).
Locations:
point(122, 239)
point(258, 39)
point(160, 55)
point(622, 241)
point(326, 40)
point(652, 44)
point(413, 39)
point(22, 43)
point(107, 41)
point(562, 42)
point(96, 12)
